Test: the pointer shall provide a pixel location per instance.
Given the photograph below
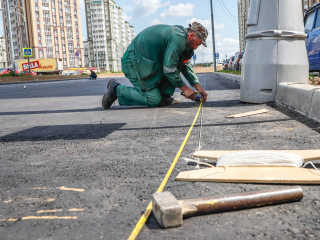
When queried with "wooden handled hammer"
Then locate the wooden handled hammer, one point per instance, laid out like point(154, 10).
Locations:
point(169, 211)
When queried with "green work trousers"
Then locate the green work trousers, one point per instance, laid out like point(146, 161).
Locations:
point(133, 96)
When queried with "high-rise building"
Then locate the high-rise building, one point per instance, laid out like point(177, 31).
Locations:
point(53, 30)
point(243, 10)
point(306, 4)
point(108, 34)
point(3, 54)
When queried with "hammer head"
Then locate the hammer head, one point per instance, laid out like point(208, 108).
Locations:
point(167, 210)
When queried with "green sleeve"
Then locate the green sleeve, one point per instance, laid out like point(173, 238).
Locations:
point(172, 55)
point(189, 74)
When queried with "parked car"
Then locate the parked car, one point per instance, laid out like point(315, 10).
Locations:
point(312, 29)
point(238, 57)
point(230, 65)
point(27, 73)
point(7, 71)
point(225, 64)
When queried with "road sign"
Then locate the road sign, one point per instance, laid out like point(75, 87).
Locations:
point(194, 57)
point(217, 55)
point(27, 52)
point(77, 54)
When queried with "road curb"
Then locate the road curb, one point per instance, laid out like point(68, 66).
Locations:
point(301, 97)
point(41, 81)
point(50, 80)
point(231, 77)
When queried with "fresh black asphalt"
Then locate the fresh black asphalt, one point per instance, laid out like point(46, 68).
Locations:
point(62, 155)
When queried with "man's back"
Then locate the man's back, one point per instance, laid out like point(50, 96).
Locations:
point(153, 41)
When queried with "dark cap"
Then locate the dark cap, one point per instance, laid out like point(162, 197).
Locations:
point(201, 31)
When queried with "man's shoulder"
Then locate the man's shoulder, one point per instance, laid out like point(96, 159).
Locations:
point(174, 29)
point(179, 29)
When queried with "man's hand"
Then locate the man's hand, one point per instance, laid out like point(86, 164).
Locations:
point(200, 89)
point(188, 92)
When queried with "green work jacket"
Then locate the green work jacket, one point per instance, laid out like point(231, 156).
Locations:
point(159, 52)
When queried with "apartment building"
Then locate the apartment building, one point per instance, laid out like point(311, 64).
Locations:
point(108, 34)
point(306, 4)
point(243, 11)
point(3, 54)
point(53, 30)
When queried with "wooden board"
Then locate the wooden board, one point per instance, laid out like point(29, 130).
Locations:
point(307, 155)
point(283, 175)
point(248, 113)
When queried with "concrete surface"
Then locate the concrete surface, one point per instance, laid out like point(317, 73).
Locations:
point(315, 105)
point(57, 134)
point(232, 77)
point(301, 97)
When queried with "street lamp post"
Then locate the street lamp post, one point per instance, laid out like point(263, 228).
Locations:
point(213, 40)
point(10, 37)
point(25, 25)
point(95, 39)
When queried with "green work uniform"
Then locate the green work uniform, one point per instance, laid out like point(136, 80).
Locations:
point(153, 62)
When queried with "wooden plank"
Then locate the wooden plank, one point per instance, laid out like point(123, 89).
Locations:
point(282, 175)
point(248, 113)
point(307, 155)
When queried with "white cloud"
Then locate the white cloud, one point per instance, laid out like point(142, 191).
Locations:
point(230, 40)
point(126, 17)
point(156, 21)
point(207, 23)
point(143, 8)
point(82, 4)
point(128, 8)
point(179, 10)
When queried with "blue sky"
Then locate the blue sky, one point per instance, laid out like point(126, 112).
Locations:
point(144, 13)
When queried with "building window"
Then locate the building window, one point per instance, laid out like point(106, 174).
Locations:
point(41, 52)
point(40, 45)
point(39, 30)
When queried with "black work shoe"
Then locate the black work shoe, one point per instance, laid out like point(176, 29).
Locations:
point(168, 100)
point(111, 95)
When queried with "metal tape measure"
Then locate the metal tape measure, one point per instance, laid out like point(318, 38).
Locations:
point(199, 96)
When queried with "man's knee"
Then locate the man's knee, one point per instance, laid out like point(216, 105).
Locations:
point(154, 101)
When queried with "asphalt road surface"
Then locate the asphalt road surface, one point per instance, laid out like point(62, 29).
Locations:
point(71, 170)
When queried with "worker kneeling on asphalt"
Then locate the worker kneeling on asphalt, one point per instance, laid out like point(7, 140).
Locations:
point(153, 62)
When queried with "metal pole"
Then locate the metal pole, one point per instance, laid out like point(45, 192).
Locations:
point(27, 42)
point(25, 28)
point(95, 39)
point(10, 37)
point(213, 40)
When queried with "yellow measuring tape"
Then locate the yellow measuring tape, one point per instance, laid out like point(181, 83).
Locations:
point(148, 210)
